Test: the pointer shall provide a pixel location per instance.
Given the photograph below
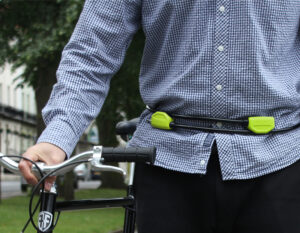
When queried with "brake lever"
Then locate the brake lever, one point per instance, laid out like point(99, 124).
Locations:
point(97, 162)
point(101, 167)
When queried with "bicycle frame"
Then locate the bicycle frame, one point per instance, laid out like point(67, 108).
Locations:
point(49, 206)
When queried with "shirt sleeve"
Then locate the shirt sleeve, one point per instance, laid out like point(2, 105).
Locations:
point(93, 55)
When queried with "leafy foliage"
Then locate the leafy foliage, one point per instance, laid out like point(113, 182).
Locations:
point(33, 33)
point(123, 100)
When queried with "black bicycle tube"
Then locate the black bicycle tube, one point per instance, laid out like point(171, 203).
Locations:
point(130, 215)
point(46, 216)
point(94, 203)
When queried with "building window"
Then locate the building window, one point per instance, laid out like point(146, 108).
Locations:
point(0, 92)
point(23, 101)
point(28, 103)
point(15, 98)
point(8, 95)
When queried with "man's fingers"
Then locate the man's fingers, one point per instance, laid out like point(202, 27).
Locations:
point(25, 168)
point(49, 182)
point(44, 152)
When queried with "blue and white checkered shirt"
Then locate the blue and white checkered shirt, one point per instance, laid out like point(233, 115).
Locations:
point(216, 58)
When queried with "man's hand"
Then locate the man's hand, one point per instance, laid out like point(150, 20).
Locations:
point(44, 152)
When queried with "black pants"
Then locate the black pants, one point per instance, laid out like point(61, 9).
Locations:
point(174, 202)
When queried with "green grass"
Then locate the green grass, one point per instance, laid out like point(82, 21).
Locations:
point(14, 214)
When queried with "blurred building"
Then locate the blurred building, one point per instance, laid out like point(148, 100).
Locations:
point(18, 119)
point(17, 113)
point(18, 116)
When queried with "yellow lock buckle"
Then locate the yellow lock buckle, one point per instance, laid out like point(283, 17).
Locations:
point(161, 120)
point(261, 124)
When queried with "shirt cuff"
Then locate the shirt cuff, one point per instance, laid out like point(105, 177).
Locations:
point(60, 134)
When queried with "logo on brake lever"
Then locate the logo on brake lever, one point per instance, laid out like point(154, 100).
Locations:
point(45, 220)
point(97, 154)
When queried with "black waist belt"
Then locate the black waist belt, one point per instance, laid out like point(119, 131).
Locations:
point(254, 125)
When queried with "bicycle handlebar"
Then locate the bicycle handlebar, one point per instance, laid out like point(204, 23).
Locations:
point(130, 154)
point(95, 157)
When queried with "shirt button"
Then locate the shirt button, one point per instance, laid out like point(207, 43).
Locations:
point(222, 8)
point(202, 162)
point(219, 87)
point(219, 124)
point(221, 48)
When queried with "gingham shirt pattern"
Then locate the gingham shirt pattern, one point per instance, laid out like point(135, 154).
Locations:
point(216, 58)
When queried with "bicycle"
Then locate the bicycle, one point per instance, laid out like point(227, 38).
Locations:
point(47, 200)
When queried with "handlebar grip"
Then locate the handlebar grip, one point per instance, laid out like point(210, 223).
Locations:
point(130, 154)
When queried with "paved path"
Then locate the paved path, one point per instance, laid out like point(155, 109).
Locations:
point(12, 188)
point(93, 184)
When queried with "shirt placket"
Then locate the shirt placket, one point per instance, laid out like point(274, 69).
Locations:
point(220, 71)
point(219, 82)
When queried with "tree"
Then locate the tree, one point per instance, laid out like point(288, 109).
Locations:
point(33, 34)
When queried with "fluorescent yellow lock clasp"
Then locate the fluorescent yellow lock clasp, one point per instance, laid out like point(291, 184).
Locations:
point(261, 124)
point(161, 120)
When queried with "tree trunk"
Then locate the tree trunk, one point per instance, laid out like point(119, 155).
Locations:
point(45, 82)
point(68, 186)
point(107, 137)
